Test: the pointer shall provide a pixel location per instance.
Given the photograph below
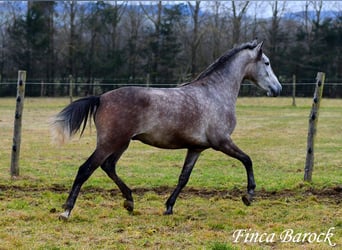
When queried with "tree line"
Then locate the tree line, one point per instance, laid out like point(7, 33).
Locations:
point(161, 43)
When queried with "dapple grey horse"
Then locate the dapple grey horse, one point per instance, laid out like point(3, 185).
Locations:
point(197, 115)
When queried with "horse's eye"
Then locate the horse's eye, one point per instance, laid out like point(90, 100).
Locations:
point(267, 63)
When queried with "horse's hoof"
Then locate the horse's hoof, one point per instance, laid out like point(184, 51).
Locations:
point(128, 205)
point(168, 211)
point(64, 216)
point(247, 200)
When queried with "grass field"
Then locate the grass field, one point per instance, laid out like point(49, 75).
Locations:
point(209, 212)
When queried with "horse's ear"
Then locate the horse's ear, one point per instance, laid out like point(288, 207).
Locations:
point(259, 50)
point(259, 46)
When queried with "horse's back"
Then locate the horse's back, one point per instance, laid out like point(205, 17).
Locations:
point(166, 118)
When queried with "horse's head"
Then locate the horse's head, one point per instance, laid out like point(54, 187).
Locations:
point(261, 73)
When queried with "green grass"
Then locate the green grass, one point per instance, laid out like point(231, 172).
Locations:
point(209, 210)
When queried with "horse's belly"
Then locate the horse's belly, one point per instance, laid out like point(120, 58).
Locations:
point(171, 141)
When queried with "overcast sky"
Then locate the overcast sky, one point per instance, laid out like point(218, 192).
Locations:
point(295, 6)
point(264, 8)
point(259, 8)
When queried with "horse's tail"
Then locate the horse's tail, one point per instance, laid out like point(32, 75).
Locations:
point(69, 120)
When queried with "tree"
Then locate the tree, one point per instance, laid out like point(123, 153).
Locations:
point(239, 10)
point(276, 39)
point(163, 45)
point(3, 37)
point(170, 46)
point(196, 35)
point(134, 24)
point(104, 52)
point(154, 39)
point(71, 11)
point(107, 40)
point(216, 29)
point(32, 40)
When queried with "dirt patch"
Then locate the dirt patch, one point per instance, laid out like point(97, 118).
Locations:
point(332, 193)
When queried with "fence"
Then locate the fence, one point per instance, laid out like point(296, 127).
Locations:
point(34, 89)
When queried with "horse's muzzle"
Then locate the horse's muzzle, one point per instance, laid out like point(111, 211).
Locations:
point(274, 91)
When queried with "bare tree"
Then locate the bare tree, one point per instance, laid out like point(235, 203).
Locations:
point(155, 18)
point(3, 36)
point(196, 35)
point(274, 32)
point(71, 10)
point(317, 6)
point(49, 12)
point(216, 28)
point(112, 16)
point(255, 22)
point(133, 24)
point(239, 9)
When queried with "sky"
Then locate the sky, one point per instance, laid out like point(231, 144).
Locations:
point(296, 6)
point(262, 9)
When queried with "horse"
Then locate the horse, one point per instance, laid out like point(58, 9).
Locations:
point(196, 116)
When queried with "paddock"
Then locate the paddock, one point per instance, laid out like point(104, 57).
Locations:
point(270, 130)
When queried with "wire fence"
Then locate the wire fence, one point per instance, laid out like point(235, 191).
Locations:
point(60, 89)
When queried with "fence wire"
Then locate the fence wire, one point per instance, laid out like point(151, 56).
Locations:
point(42, 89)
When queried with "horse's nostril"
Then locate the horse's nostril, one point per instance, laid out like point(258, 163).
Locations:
point(274, 91)
point(277, 92)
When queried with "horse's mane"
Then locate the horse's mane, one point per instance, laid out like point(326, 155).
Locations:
point(224, 58)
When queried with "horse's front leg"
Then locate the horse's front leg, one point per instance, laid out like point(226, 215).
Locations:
point(229, 148)
point(190, 160)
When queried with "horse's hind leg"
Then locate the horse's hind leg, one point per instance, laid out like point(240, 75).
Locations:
point(109, 167)
point(190, 160)
point(84, 172)
point(229, 148)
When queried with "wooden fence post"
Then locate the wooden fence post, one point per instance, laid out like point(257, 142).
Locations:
point(313, 118)
point(294, 90)
point(148, 80)
point(17, 123)
point(42, 88)
point(70, 88)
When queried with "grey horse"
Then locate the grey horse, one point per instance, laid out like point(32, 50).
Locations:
point(197, 115)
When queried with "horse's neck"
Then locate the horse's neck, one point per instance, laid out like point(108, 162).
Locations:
point(227, 83)
point(229, 78)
